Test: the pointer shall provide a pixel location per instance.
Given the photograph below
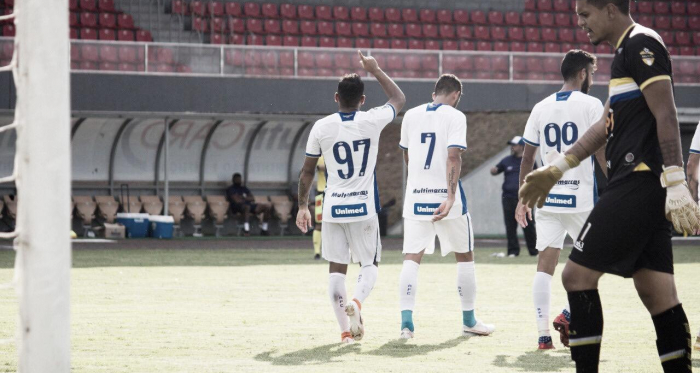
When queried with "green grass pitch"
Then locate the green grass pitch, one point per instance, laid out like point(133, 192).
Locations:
point(265, 310)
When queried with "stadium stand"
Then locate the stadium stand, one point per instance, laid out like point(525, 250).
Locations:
point(195, 209)
point(107, 207)
point(176, 209)
point(86, 208)
point(283, 211)
point(218, 211)
point(152, 205)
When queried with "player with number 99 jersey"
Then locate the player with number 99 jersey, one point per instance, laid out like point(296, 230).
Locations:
point(349, 143)
point(555, 124)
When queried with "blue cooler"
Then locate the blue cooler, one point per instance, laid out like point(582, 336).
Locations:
point(136, 224)
point(161, 226)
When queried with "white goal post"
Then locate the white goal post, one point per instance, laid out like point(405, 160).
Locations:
point(43, 179)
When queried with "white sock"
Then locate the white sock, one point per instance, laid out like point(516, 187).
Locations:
point(263, 226)
point(408, 285)
point(336, 291)
point(365, 282)
point(466, 285)
point(541, 293)
point(246, 226)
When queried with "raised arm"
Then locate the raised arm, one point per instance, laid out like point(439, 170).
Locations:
point(306, 178)
point(396, 97)
point(454, 167)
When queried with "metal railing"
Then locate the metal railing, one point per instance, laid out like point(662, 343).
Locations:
point(328, 63)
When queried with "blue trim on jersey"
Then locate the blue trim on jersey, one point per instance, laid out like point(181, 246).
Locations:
point(456, 146)
point(530, 142)
point(313, 155)
point(695, 151)
point(469, 234)
point(402, 147)
point(595, 183)
point(563, 96)
point(377, 207)
point(347, 117)
point(432, 107)
point(464, 198)
point(625, 96)
point(392, 109)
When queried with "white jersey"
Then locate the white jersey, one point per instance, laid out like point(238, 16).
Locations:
point(427, 132)
point(556, 123)
point(349, 143)
point(695, 144)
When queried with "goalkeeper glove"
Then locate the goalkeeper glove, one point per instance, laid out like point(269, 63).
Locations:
point(538, 183)
point(681, 209)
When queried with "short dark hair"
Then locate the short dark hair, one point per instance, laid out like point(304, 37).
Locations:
point(448, 83)
point(350, 90)
point(574, 61)
point(622, 5)
point(236, 175)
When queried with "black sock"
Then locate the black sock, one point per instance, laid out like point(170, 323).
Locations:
point(586, 329)
point(673, 339)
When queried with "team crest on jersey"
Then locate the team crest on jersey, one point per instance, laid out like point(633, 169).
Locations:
point(647, 56)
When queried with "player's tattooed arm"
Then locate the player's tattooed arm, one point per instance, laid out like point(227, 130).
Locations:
point(454, 167)
point(306, 179)
point(594, 139)
point(659, 98)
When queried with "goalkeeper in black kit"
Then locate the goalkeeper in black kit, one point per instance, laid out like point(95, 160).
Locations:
point(628, 232)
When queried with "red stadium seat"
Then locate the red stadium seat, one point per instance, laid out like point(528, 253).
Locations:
point(74, 34)
point(323, 60)
point(694, 22)
point(447, 31)
point(344, 42)
point(399, 44)
point(271, 26)
point(549, 35)
point(341, 13)
point(461, 16)
point(237, 39)
point(381, 43)
point(290, 41)
point(661, 7)
point(144, 36)
point(251, 10)
point(516, 33)
point(544, 5)
point(409, 15)
point(587, 47)
point(532, 33)
point(198, 8)
point(552, 48)
point(358, 13)
point(288, 11)
point(324, 12)
point(450, 45)
point(565, 47)
point(562, 20)
point(286, 59)
point(106, 6)
point(495, 17)
point(200, 24)
point(237, 25)
point(696, 37)
point(412, 62)
point(679, 23)
point(376, 14)
point(108, 53)
point(413, 30)
point(683, 38)
point(74, 19)
point(519, 63)
point(645, 7)
point(464, 32)
point(433, 45)
point(467, 45)
point(343, 60)
point(87, 65)
point(394, 62)
point(479, 17)
point(180, 7)
point(517, 46)
point(673, 51)
point(395, 30)
point(662, 22)
point(309, 41)
point(108, 20)
point(582, 36)
point(501, 46)
point(429, 61)
point(325, 28)
point(481, 33)
point(107, 34)
point(392, 15)
point(667, 37)
point(88, 5)
point(254, 25)
point(535, 47)
point(308, 28)
point(561, 5)
point(89, 53)
point(217, 39)
point(125, 35)
point(363, 43)
point(566, 35)
point(687, 51)
point(269, 10)
point(343, 29)
point(498, 33)
point(88, 19)
point(546, 19)
point(215, 9)
point(326, 42)
point(85, 33)
point(360, 29)
point(529, 19)
point(427, 16)
point(233, 9)
point(534, 64)
point(678, 7)
point(444, 16)
point(125, 21)
point(306, 12)
point(512, 18)
point(126, 67)
point(484, 46)
point(255, 40)
point(74, 5)
point(378, 30)
point(430, 31)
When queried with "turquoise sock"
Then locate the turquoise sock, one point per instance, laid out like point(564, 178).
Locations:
point(468, 318)
point(407, 320)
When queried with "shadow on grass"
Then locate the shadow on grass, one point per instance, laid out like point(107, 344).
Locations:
point(400, 348)
point(535, 361)
point(317, 355)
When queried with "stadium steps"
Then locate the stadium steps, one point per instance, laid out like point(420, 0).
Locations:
point(164, 27)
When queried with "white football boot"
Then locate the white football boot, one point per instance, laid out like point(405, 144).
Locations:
point(357, 328)
point(479, 329)
point(406, 334)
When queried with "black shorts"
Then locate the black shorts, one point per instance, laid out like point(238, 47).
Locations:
point(240, 207)
point(627, 229)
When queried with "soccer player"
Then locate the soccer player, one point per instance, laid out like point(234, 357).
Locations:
point(693, 170)
point(318, 206)
point(627, 232)
point(349, 141)
point(433, 137)
point(554, 124)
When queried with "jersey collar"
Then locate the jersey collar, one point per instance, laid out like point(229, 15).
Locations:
point(347, 117)
point(432, 107)
point(624, 34)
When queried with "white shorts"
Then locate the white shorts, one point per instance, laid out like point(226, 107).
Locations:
point(357, 242)
point(552, 227)
point(456, 235)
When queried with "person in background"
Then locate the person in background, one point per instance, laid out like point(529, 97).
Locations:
point(243, 201)
point(510, 166)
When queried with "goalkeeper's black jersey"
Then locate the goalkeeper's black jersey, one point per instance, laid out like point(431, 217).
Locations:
point(641, 58)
